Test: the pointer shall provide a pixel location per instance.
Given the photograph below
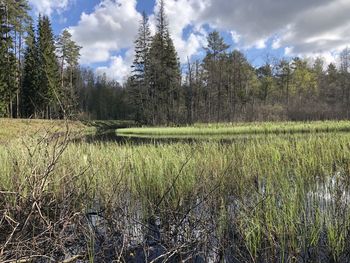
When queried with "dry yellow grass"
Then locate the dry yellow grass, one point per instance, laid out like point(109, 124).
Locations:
point(12, 129)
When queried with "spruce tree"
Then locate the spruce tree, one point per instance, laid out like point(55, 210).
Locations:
point(163, 73)
point(49, 80)
point(173, 77)
point(30, 83)
point(139, 86)
point(142, 46)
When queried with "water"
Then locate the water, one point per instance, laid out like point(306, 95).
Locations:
point(199, 236)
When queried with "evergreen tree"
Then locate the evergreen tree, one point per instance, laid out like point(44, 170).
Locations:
point(139, 85)
point(142, 46)
point(304, 80)
point(267, 83)
point(331, 90)
point(284, 78)
point(216, 45)
point(69, 59)
point(49, 80)
point(18, 19)
point(7, 63)
point(345, 79)
point(173, 76)
point(214, 65)
point(30, 83)
point(3, 57)
point(163, 73)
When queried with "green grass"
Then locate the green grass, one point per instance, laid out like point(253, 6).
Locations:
point(281, 196)
point(238, 129)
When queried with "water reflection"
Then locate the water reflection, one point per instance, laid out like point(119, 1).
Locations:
point(111, 135)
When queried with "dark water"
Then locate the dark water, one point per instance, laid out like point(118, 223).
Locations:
point(107, 136)
point(112, 136)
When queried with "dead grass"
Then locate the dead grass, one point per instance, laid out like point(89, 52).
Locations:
point(15, 129)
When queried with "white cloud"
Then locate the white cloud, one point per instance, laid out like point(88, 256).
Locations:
point(289, 51)
point(47, 7)
point(276, 44)
point(313, 26)
point(236, 38)
point(260, 44)
point(321, 29)
point(119, 67)
point(111, 27)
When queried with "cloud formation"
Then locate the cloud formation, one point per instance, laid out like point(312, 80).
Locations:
point(323, 28)
point(47, 7)
point(305, 28)
point(118, 68)
point(313, 26)
point(111, 27)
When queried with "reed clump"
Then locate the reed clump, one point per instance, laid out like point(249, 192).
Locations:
point(234, 129)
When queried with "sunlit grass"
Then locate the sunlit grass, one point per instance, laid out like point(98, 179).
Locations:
point(229, 129)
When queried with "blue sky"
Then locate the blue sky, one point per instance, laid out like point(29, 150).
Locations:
point(262, 29)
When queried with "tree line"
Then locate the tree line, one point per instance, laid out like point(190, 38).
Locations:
point(225, 87)
point(40, 77)
point(37, 70)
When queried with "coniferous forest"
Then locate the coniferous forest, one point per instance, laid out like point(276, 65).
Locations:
point(40, 77)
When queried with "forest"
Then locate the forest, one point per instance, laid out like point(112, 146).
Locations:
point(40, 77)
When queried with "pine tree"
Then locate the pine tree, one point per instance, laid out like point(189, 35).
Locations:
point(49, 80)
point(284, 78)
point(331, 90)
point(213, 63)
point(267, 85)
point(3, 57)
point(18, 19)
point(345, 79)
point(69, 59)
point(30, 83)
point(216, 45)
point(7, 63)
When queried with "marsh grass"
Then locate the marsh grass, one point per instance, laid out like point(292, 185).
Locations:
point(244, 129)
point(265, 199)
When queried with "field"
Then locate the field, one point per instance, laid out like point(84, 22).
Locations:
point(280, 197)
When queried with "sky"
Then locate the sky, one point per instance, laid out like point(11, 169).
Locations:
point(261, 29)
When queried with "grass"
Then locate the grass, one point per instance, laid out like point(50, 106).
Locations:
point(15, 129)
point(283, 198)
point(12, 129)
point(109, 124)
point(233, 129)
